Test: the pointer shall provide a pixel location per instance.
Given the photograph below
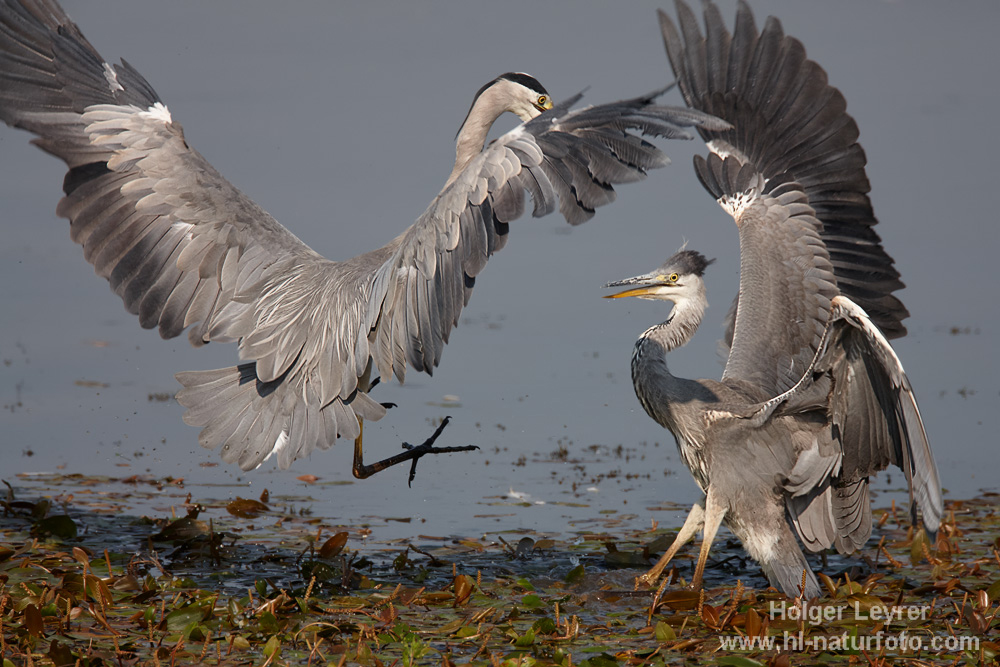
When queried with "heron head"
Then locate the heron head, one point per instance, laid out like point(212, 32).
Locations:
point(678, 279)
point(525, 96)
point(516, 92)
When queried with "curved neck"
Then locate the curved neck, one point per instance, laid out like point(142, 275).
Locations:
point(488, 106)
point(684, 320)
point(656, 388)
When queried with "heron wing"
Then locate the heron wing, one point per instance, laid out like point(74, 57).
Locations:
point(566, 158)
point(792, 125)
point(874, 411)
point(184, 248)
point(874, 422)
point(786, 281)
point(396, 306)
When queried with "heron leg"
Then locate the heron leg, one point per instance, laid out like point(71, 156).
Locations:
point(692, 524)
point(412, 454)
point(714, 513)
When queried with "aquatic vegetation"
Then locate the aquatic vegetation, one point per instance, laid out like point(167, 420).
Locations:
point(262, 582)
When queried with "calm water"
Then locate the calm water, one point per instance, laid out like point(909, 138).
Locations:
point(340, 122)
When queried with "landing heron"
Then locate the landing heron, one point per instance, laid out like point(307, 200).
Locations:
point(185, 249)
point(813, 400)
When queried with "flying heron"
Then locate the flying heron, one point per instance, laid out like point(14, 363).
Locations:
point(813, 400)
point(185, 249)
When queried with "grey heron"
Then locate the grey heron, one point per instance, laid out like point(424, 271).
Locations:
point(813, 400)
point(185, 249)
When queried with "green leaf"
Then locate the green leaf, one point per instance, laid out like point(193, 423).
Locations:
point(268, 623)
point(272, 647)
point(544, 626)
point(625, 559)
point(525, 640)
point(532, 601)
point(737, 661)
point(181, 530)
point(178, 620)
point(241, 643)
point(575, 575)
point(602, 660)
point(61, 526)
point(664, 632)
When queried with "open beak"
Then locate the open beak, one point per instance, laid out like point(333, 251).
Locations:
point(647, 284)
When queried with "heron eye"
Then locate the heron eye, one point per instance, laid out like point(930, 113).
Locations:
point(673, 277)
point(542, 100)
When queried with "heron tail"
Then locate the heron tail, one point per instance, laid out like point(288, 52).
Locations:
point(253, 420)
point(785, 571)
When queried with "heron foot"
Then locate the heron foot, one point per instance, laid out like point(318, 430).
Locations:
point(427, 447)
point(646, 580)
point(412, 454)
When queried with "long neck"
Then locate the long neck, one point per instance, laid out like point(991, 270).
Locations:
point(684, 320)
point(655, 386)
point(469, 143)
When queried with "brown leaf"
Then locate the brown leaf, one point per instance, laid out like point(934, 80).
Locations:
point(181, 530)
point(463, 588)
point(333, 546)
point(246, 508)
point(81, 556)
point(752, 624)
point(710, 615)
point(919, 547)
point(96, 589)
point(33, 621)
point(388, 614)
point(781, 660)
point(680, 600)
point(126, 583)
point(828, 583)
point(975, 620)
point(308, 479)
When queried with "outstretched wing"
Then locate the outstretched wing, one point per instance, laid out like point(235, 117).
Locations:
point(397, 305)
point(786, 281)
point(789, 123)
point(874, 422)
point(874, 411)
point(184, 248)
point(569, 158)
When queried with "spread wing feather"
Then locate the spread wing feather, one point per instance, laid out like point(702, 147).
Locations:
point(791, 125)
point(184, 248)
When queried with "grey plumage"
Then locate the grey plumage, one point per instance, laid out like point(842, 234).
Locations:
point(185, 249)
point(813, 400)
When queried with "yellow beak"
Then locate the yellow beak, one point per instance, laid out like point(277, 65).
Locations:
point(638, 291)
